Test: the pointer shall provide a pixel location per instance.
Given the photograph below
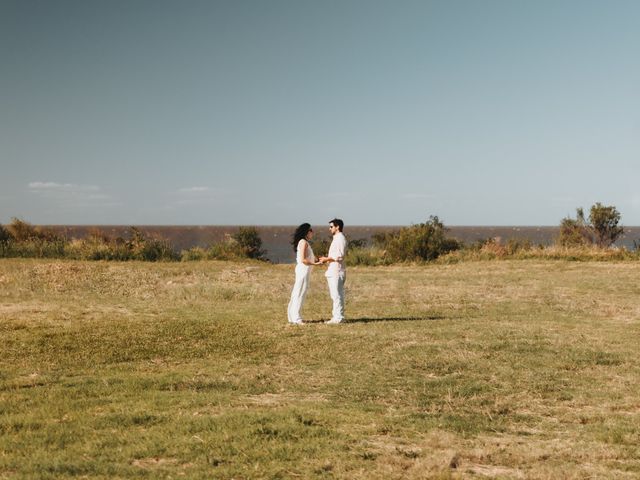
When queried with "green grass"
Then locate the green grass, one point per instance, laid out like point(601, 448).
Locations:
point(511, 369)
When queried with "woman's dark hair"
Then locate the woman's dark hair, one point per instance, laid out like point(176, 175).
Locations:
point(299, 234)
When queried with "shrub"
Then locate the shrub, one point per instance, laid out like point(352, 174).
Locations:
point(320, 246)
point(249, 242)
point(227, 250)
point(244, 244)
point(380, 239)
point(422, 242)
point(21, 239)
point(494, 248)
point(515, 245)
point(575, 232)
point(99, 246)
point(21, 231)
point(4, 235)
point(602, 229)
point(149, 249)
point(604, 222)
point(357, 243)
point(193, 254)
point(34, 248)
point(367, 256)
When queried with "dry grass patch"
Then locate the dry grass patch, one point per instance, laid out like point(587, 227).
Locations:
point(511, 369)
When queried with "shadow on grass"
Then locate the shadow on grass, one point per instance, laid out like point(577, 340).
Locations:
point(395, 319)
point(386, 319)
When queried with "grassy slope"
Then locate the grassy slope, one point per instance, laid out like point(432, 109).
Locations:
point(514, 369)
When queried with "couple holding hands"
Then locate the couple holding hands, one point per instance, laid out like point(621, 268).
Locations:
point(305, 259)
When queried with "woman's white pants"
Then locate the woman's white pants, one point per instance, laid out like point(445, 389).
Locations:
point(300, 287)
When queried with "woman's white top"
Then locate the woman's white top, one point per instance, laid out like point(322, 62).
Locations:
point(310, 256)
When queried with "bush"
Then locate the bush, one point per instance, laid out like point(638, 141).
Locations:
point(21, 239)
point(602, 229)
point(249, 242)
point(33, 248)
point(226, 250)
point(320, 247)
point(149, 249)
point(21, 231)
point(575, 232)
point(604, 221)
point(99, 246)
point(367, 256)
point(4, 235)
point(242, 245)
point(193, 254)
point(515, 245)
point(422, 242)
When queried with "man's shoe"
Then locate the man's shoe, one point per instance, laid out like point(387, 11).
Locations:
point(296, 322)
point(335, 320)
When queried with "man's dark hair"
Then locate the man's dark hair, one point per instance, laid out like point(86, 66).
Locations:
point(338, 223)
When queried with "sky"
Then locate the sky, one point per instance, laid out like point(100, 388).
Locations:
point(252, 112)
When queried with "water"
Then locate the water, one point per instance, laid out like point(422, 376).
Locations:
point(276, 239)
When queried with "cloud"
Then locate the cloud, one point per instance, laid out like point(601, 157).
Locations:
point(72, 195)
point(61, 187)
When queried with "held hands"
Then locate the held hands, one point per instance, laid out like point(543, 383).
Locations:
point(321, 261)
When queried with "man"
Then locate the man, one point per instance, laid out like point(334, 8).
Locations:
point(336, 272)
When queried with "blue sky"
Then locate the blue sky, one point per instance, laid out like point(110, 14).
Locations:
point(494, 112)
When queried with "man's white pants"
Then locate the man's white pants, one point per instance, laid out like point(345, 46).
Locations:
point(300, 287)
point(336, 290)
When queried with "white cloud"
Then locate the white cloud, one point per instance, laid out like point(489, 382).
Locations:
point(72, 195)
point(66, 187)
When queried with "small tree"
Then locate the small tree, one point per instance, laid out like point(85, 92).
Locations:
point(422, 242)
point(604, 222)
point(602, 228)
point(21, 231)
point(250, 242)
point(575, 232)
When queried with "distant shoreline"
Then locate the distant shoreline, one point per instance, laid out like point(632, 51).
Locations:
point(276, 238)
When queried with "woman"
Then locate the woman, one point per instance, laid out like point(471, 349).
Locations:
point(304, 260)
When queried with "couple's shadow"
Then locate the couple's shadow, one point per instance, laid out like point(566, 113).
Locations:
point(410, 318)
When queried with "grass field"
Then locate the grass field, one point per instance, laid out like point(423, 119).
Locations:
point(504, 369)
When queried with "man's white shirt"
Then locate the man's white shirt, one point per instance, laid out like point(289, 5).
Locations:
point(337, 251)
